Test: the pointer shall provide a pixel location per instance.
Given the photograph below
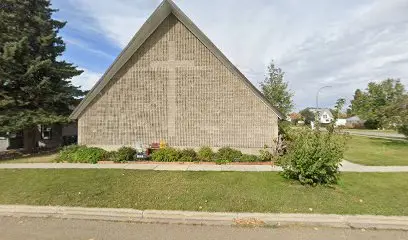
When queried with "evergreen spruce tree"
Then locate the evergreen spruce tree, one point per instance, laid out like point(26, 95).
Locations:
point(35, 85)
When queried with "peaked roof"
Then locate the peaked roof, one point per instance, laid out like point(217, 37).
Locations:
point(322, 110)
point(166, 8)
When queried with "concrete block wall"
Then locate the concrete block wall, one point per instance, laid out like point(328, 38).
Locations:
point(174, 89)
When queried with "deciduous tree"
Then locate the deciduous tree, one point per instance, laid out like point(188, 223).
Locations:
point(307, 115)
point(276, 89)
point(374, 104)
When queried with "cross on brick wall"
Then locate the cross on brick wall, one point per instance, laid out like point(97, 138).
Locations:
point(171, 65)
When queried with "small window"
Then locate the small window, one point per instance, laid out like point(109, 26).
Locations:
point(324, 116)
point(46, 132)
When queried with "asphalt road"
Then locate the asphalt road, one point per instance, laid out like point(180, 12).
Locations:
point(48, 228)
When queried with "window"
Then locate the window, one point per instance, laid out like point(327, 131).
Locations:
point(325, 116)
point(16, 135)
point(46, 132)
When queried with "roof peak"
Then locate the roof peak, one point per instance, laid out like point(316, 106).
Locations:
point(165, 8)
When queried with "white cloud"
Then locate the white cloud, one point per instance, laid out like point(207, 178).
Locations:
point(343, 43)
point(117, 19)
point(79, 43)
point(86, 80)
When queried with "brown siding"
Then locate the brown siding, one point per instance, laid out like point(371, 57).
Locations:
point(191, 99)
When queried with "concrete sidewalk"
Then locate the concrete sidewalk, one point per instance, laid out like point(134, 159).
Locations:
point(155, 167)
point(392, 136)
point(346, 167)
point(208, 218)
point(352, 167)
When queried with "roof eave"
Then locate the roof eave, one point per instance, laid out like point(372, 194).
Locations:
point(157, 17)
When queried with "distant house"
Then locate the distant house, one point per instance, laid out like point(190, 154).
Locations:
point(49, 137)
point(294, 117)
point(341, 122)
point(325, 115)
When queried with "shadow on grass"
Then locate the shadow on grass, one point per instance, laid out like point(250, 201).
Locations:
point(388, 142)
point(34, 157)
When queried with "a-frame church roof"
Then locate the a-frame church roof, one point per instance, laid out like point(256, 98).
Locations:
point(166, 8)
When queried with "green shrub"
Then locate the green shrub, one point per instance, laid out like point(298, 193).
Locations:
point(221, 161)
point(403, 130)
point(205, 154)
point(314, 157)
point(124, 154)
point(112, 156)
point(67, 153)
point(372, 124)
point(228, 154)
point(266, 155)
point(81, 154)
point(91, 155)
point(188, 155)
point(249, 158)
point(167, 154)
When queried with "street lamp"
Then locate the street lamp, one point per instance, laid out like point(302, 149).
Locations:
point(317, 106)
point(317, 95)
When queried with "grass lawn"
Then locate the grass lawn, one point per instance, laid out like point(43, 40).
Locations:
point(377, 151)
point(357, 193)
point(32, 159)
point(372, 130)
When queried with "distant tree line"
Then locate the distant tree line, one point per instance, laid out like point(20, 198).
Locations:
point(382, 105)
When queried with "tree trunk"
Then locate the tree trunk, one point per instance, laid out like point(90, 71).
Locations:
point(31, 137)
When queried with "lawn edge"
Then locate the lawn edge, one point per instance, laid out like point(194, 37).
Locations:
point(207, 218)
point(195, 167)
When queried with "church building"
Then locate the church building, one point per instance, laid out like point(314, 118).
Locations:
point(172, 84)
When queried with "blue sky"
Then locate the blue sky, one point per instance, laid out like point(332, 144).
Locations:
point(342, 43)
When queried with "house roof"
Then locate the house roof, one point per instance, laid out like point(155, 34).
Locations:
point(322, 110)
point(354, 118)
point(166, 8)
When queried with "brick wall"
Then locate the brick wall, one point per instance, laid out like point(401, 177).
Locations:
point(173, 88)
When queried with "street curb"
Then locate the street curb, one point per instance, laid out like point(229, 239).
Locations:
point(208, 218)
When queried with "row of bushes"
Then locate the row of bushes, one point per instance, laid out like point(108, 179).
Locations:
point(83, 154)
point(206, 154)
point(312, 157)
